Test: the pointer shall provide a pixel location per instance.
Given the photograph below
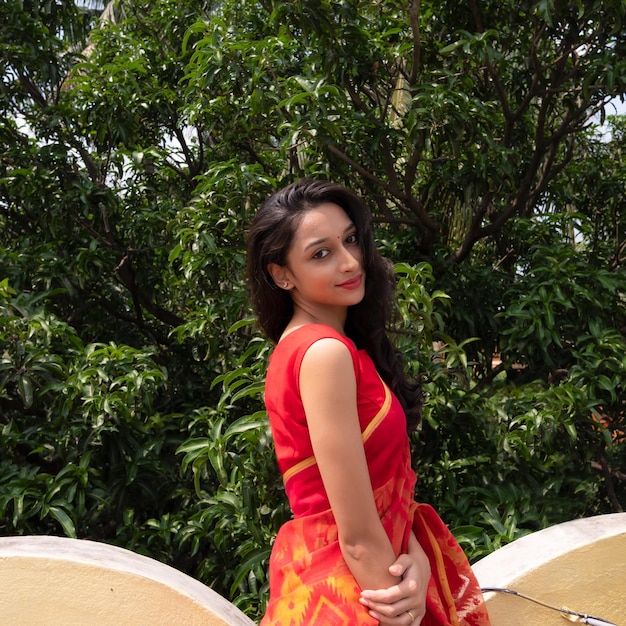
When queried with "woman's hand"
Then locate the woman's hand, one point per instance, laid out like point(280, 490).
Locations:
point(403, 604)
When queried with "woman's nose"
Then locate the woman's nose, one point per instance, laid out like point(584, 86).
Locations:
point(350, 261)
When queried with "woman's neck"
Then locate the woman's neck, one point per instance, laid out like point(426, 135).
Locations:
point(335, 318)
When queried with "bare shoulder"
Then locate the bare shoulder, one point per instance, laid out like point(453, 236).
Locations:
point(327, 352)
point(327, 372)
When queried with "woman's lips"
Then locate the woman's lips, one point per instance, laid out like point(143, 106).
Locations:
point(353, 283)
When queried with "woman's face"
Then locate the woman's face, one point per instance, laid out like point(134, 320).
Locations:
point(323, 269)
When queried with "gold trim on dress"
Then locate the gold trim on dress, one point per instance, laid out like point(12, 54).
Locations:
point(298, 467)
point(441, 574)
point(380, 416)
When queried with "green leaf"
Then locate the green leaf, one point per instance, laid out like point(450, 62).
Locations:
point(64, 519)
point(25, 388)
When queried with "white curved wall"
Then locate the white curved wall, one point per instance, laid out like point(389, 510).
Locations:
point(55, 581)
point(579, 564)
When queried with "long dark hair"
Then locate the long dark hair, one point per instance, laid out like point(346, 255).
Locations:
point(269, 240)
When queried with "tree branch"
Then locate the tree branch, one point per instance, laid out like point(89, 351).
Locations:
point(408, 200)
point(126, 273)
point(608, 480)
point(414, 11)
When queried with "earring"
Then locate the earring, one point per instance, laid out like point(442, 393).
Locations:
point(286, 284)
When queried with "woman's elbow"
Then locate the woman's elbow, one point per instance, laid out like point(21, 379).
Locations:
point(354, 550)
point(360, 546)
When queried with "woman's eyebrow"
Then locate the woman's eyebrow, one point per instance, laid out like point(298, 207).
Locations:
point(317, 242)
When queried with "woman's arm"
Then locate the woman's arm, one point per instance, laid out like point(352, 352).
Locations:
point(328, 392)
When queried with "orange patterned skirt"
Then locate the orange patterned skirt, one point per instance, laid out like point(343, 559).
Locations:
point(312, 585)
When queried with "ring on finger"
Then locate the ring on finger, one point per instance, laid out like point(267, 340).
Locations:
point(411, 616)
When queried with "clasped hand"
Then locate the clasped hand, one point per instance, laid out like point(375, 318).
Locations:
point(403, 604)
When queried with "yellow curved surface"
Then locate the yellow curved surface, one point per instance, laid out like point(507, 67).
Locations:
point(53, 581)
point(580, 565)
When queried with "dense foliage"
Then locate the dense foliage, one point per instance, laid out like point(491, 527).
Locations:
point(137, 141)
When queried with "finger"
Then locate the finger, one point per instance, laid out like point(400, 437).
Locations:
point(382, 596)
point(391, 610)
point(406, 618)
point(400, 565)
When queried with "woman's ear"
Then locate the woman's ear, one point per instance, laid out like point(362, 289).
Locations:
point(280, 275)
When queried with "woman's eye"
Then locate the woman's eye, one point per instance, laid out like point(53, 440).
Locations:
point(320, 254)
point(353, 238)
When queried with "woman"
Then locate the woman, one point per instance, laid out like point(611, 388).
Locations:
point(359, 551)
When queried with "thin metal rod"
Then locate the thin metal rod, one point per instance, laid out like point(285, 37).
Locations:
point(587, 619)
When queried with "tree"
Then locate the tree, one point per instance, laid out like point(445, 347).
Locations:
point(452, 120)
point(134, 151)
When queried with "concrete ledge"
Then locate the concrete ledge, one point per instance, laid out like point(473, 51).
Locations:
point(579, 564)
point(56, 581)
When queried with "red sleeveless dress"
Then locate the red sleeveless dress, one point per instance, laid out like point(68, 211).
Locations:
point(310, 583)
